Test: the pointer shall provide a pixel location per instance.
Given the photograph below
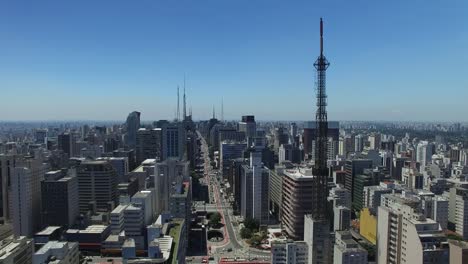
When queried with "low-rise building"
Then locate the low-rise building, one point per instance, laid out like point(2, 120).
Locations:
point(58, 253)
point(289, 252)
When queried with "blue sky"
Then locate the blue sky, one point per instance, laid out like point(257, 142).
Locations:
point(100, 60)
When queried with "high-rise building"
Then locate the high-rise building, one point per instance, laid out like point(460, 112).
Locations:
point(59, 199)
point(166, 172)
point(367, 178)
point(180, 201)
point(65, 143)
point(353, 168)
point(317, 237)
point(276, 188)
point(412, 178)
point(310, 133)
point(97, 184)
point(285, 153)
point(129, 154)
point(289, 252)
point(41, 136)
point(342, 218)
point(120, 165)
point(424, 152)
point(297, 200)
point(281, 137)
point(374, 141)
point(407, 236)
point(17, 250)
point(396, 168)
point(173, 139)
point(348, 251)
point(372, 195)
point(149, 144)
point(460, 211)
point(25, 195)
point(340, 196)
point(21, 201)
point(145, 200)
point(254, 194)
point(248, 126)
point(458, 252)
point(230, 150)
point(7, 163)
point(132, 124)
point(358, 143)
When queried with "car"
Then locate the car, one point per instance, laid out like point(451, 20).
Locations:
point(229, 250)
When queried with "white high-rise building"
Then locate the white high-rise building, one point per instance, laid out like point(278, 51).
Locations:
point(358, 143)
point(412, 178)
point(373, 194)
point(347, 251)
point(289, 252)
point(117, 219)
point(374, 141)
point(406, 236)
point(144, 200)
point(285, 153)
point(342, 218)
point(254, 189)
point(424, 152)
point(21, 203)
point(461, 212)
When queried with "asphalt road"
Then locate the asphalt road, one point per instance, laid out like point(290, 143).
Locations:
point(218, 203)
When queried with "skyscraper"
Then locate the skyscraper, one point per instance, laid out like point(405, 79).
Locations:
point(149, 144)
point(59, 199)
point(97, 183)
point(65, 143)
point(132, 124)
point(7, 163)
point(248, 126)
point(254, 194)
point(173, 140)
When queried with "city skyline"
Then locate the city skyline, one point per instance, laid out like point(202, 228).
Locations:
point(100, 61)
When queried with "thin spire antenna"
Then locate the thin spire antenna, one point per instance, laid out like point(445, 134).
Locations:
point(178, 104)
point(321, 37)
point(222, 110)
point(185, 102)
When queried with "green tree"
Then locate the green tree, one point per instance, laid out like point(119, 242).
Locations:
point(251, 224)
point(245, 233)
point(256, 240)
point(215, 219)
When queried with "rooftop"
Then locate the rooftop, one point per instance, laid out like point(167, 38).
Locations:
point(48, 231)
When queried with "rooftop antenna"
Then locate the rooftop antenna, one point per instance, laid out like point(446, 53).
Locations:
point(222, 110)
point(213, 112)
point(178, 102)
point(185, 103)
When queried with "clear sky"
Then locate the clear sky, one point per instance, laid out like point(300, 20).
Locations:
point(100, 60)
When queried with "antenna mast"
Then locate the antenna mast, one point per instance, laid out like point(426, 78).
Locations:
point(320, 169)
point(185, 103)
point(178, 102)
